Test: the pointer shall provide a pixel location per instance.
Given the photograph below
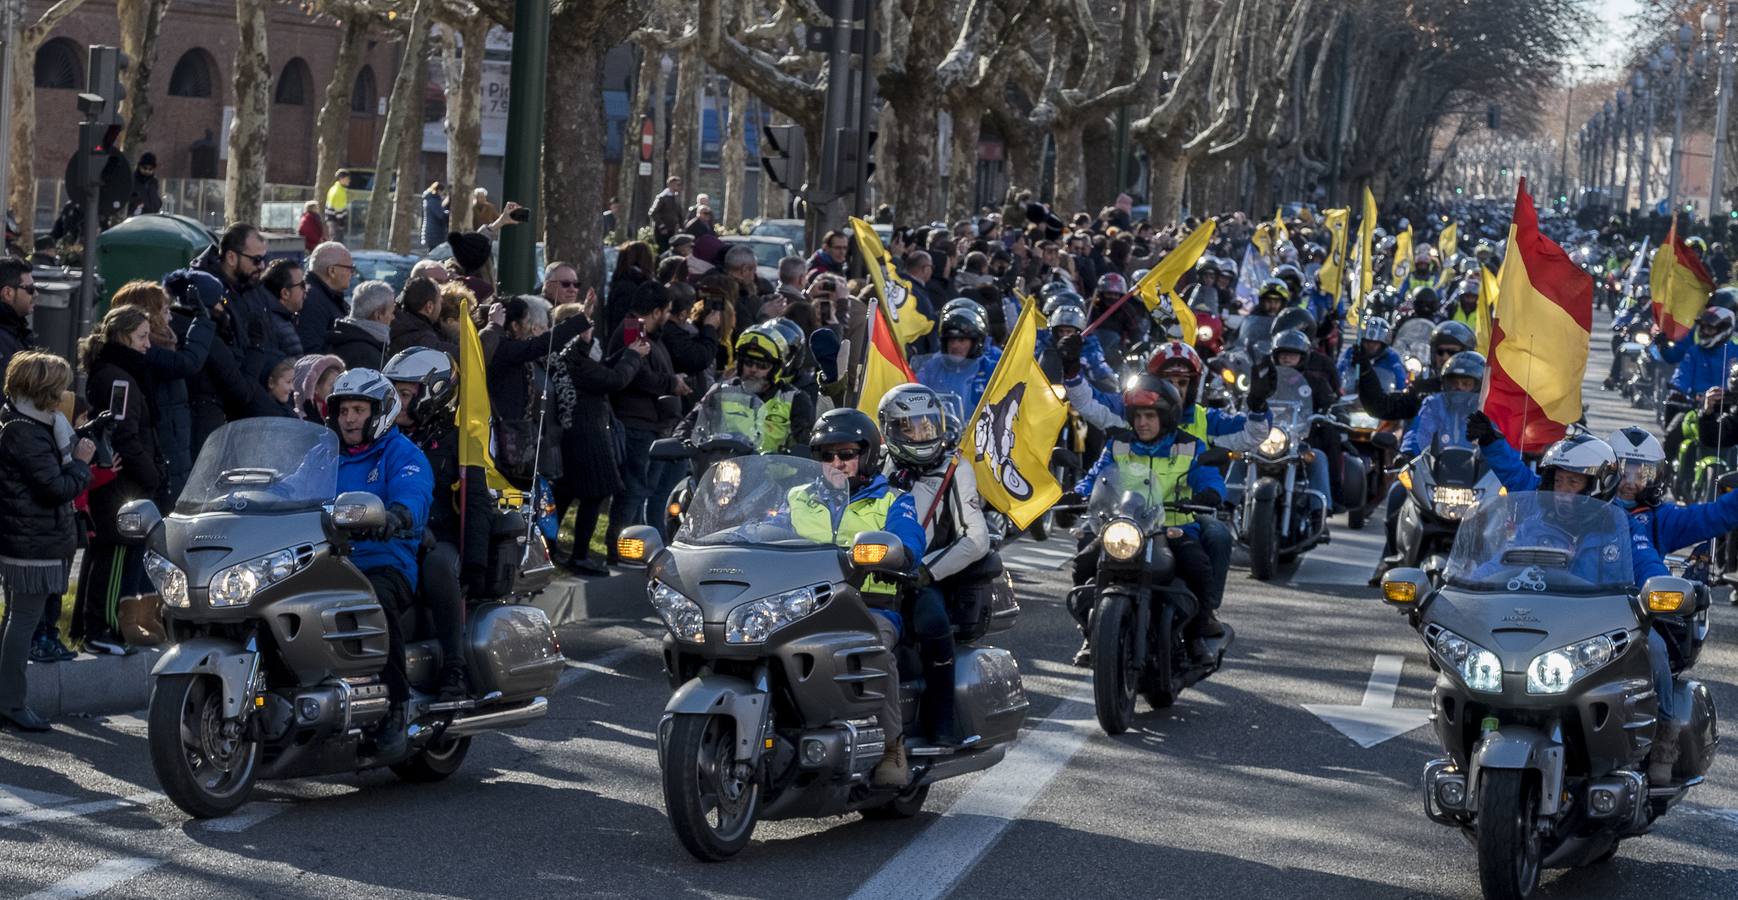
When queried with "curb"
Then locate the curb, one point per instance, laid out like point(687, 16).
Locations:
point(98, 685)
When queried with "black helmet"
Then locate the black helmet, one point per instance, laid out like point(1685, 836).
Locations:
point(1052, 288)
point(1295, 319)
point(964, 323)
point(1725, 298)
point(1455, 333)
point(1424, 301)
point(1152, 392)
point(1465, 364)
point(1290, 340)
point(1292, 276)
point(966, 303)
point(432, 371)
point(1206, 266)
point(850, 425)
point(1064, 297)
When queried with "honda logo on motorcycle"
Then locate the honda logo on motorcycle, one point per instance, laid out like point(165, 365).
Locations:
point(1521, 614)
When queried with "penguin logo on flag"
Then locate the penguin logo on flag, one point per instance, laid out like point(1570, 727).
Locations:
point(993, 436)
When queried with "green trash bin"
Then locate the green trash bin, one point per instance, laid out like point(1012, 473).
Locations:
point(147, 247)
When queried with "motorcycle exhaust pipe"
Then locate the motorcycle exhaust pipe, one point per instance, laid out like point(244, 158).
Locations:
point(499, 719)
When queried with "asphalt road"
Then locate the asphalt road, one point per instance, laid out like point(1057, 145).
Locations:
point(1238, 790)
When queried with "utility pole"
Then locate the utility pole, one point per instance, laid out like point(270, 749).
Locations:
point(8, 47)
point(1722, 108)
point(525, 141)
point(1683, 63)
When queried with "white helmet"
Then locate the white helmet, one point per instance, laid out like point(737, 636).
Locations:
point(371, 386)
point(1582, 454)
point(1640, 460)
point(1714, 326)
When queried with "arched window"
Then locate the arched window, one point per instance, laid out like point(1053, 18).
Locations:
point(294, 84)
point(58, 65)
point(364, 95)
point(195, 75)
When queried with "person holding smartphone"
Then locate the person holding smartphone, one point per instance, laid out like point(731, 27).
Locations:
point(644, 419)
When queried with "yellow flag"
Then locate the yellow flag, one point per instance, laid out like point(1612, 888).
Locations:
point(1487, 308)
point(1162, 279)
point(1447, 245)
point(1402, 257)
point(1366, 258)
point(474, 413)
point(1185, 317)
point(1009, 436)
point(1334, 268)
point(895, 292)
point(1280, 234)
point(1262, 238)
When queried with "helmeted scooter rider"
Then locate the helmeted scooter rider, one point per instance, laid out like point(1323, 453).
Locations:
point(1446, 340)
point(1374, 336)
point(960, 369)
point(785, 414)
point(427, 393)
point(377, 458)
point(1172, 456)
point(853, 496)
point(1702, 366)
point(1066, 320)
point(944, 491)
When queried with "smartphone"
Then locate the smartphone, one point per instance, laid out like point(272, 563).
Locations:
point(118, 400)
point(824, 310)
point(522, 214)
point(630, 330)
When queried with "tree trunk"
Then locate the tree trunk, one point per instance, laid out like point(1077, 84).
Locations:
point(244, 182)
point(141, 22)
point(407, 204)
point(465, 122)
point(23, 170)
point(1099, 164)
point(645, 84)
point(683, 118)
point(733, 155)
point(332, 125)
point(1170, 169)
point(395, 160)
point(1070, 158)
point(962, 189)
point(911, 181)
point(634, 210)
point(574, 148)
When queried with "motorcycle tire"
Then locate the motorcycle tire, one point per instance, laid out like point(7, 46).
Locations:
point(1263, 532)
point(1355, 518)
point(435, 762)
point(1160, 686)
point(904, 806)
point(699, 746)
point(204, 780)
point(1116, 675)
point(1509, 851)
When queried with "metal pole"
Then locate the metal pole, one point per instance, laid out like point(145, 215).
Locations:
point(1563, 167)
point(1676, 159)
point(1647, 147)
point(525, 140)
point(1627, 104)
point(1723, 95)
point(865, 107)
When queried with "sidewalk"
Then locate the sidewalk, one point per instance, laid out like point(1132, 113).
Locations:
point(96, 685)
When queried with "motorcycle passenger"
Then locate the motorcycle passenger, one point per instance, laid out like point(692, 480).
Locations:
point(1466, 303)
point(1272, 298)
point(1465, 373)
point(1702, 365)
point(949, 372)
point(854, 496)
point(944, 493)
point(377, 458)
point(762, 356)
point(1373, 337)
point(992, 352)
point(1123, 328)
point(1421, 304)
point(1171, 455)
point(1067, 320)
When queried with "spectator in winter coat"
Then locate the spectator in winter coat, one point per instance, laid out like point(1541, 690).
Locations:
point(361, 338)
point(238, 262)
point(181, 339)
point(511, 367)
point(644, 420)
point(286, 288)
point(435, 215)
point(17, 301)
point(589, 459)
point(417, 322)
point(43, 466)
point(634, 267)
point(311, 381)
point(330, 270)
point(666, 213)
point(312, 226)
point(147, 196)
point(831, 257)
point(471, 262)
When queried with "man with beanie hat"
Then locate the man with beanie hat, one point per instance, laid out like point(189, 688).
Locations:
point(147, 196)
point(471, 254)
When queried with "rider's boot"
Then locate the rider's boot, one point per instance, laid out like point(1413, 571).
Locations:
point(1664, 757)
point(1210, 626)
point(391, 739)
point(892, 770)
point(454, 684)
point(1083, 656)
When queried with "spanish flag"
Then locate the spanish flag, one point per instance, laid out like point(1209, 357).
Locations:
point(1543, 321)
point(1334, 269)
point(890, 286)
point(474, 412)
point(884, 366)
point(1010, 435)
point(1366, 259)
point(1681, 285)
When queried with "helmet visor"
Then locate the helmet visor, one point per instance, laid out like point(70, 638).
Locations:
point(1639, 475)
point(916, 428)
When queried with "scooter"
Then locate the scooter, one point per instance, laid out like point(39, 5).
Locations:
point(778, 667)
point(1444, 484)
point(278, 642)
point(1545, 701)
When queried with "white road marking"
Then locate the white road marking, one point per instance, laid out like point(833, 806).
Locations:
point(1377, 719)
point(244, 818)
point(77, 810)
point(578, 669)
point(98, 878)
point(1729, 816)
point(14, 800)
point(934, 861)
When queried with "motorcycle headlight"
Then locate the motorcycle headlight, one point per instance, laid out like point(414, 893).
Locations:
point(1454, 502)
point(1413, 365)
point(237, 584)
point(1643, 338)
point(680, 614)
point(1203, 333)
point(1275, 443)
point(1122, 539)
point(1478, 667)
point(168, 579)
point(754, 621)
point(1555, 671)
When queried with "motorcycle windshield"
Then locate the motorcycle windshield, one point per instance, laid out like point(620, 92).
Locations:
point(1256, 336)
point(946, 374)
point(729, 415)
point(1457, 406)
point(1543, 542)
point(1291, 404)
point(749, 500)
point(1126, 492)
point(1412, 342)
point(267, 465)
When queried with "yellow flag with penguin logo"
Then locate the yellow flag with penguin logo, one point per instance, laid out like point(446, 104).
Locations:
point(1010, 435)
point(1333, 271)
point(1403, 257)
point(1447, 245)
point(895, 292)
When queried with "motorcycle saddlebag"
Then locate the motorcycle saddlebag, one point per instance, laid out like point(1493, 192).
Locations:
point(989, 698)
point(513, 650)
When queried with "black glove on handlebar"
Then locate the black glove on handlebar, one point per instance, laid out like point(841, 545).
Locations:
point(1359, 357)
point(1481, 430)
point(1261, 387)
point(1209, 497)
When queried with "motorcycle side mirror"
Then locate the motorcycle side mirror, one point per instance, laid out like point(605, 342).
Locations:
point(136, 520)
point(1405, 587)
point(1385, 440)
point(879, 552)
point(359, 511)
point(670, 449)
point(1667, 595)
point(637, 545)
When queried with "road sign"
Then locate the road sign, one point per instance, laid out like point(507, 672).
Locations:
point(646, 142)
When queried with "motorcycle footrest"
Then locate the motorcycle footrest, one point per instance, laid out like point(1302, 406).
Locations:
point(469, 703)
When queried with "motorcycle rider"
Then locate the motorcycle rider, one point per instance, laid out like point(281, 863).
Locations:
point(944, 491)
point(960, 369)
point(1702, 365)
point(1464, 373)
point(376, 457)
point(762, 359)
point(1446, 340)
point(853, 496)
point(1170, 455)
point(1422, 303)
point(1373, 339)
point(1068, 320)
point(1466, 303)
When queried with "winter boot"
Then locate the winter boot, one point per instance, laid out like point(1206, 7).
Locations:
point(892, 771)
point(1664, 757)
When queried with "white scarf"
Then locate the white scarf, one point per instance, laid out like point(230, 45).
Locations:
point(64, 435)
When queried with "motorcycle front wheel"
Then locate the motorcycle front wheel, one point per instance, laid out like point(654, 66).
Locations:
point(1508, 837)
point(1262, 526)
point(1116, 674)
point(203, 763)
point(712, 807)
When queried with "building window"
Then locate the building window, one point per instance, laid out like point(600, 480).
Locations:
point(57, 66)
point(293, 84)
point(364, 95)
point(194, 75)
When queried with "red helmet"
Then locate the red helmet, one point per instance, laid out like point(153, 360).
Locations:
point(1176, 356)
point(1112, 283)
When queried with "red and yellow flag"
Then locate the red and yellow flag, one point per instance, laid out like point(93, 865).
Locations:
point(884, 366)
point(1681, 285)
point(1543, 322)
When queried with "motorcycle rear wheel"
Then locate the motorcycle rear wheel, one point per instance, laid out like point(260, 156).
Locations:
point(435, 762)
point(1115, 673)
point(204, 768)
point(1509, 849)
point(711, 810)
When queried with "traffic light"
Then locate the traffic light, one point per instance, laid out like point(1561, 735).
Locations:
point(107, 66)
point(97, 164)
point(782, 156)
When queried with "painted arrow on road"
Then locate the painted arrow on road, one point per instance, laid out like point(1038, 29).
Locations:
point(1376, 719)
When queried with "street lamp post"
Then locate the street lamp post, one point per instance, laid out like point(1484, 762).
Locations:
point(1626, 112)
point(1722, 105)
point(1645, 85)
point(1563, 167)
point(1685, 35)
point(1614, 133)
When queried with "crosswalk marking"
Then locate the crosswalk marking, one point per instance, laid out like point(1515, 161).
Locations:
point(95, 880)
point(76, 810)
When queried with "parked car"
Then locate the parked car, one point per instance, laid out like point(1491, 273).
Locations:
point(768, 250)
point(788, 229)
point(383, 265)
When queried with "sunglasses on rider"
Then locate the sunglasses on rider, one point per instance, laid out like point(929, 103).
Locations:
point(845, 455)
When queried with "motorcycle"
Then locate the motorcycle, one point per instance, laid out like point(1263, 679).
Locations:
point(727, 425)
point(1369, 452)
point(1140, 608)
point(1444, 484)
point(779, 671)
point(1544, 700)
point(278, 643)
point(1280, 516)
point(1068, 461)
point(1412, 342)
